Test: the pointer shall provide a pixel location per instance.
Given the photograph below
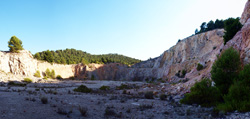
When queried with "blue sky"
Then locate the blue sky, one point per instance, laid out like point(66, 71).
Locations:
point(135, 28)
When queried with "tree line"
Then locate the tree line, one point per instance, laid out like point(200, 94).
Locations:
point(230, 25)
point(211, 25)
point(73, 56)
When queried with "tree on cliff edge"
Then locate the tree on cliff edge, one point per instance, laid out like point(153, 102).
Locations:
point(15, 44)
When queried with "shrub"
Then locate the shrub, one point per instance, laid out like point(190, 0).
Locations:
point(12, 83)
point(47, 73)
point(83, 88)
point(238, 97)
point(231, 26)
point(37, 74)
point(92, 77)
point(15, 44)
point(202, 93)
point(104, 88)
point(122, 87)
point(225, 69)
point(149, 95)
point(145, 106)
point(83, 110)
point(62, 111)
point(27, 80)
point(199, 67)
point(109, 112)
point(44, 100)
point(50, 74)
point(183, 72)
point(59, 77)
point(163, 96)
point(53, 74)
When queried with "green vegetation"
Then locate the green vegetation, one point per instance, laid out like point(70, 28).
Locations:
point(231, 26)
point(83, 89)
point(50, 74)
point(15, 44)
point(37, 74)
point(149, 95)
point(211, 25)
point(27, 80)
point(181, 74)
point(199, 67)
point(226, 69)
point(202, 93)
point(123, 86)
point(72, 56)
point(92, 77)
point(83, 110)
point(44, 100)
point(104, 88)
point(12, 83)
point(163, 96)
point(59, 77)
point(232, 85)
point(238, 97)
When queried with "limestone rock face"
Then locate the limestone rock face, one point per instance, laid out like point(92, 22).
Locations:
point(185, 55)
point(246, 13)
point(241, 42)
point(18, 63)
point(23, 64)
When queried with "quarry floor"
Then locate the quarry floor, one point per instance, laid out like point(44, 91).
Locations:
point(24, 102)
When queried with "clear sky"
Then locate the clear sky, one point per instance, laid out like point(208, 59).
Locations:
point(135, 28)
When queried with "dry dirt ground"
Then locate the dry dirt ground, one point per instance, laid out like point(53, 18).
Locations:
point(24, 102)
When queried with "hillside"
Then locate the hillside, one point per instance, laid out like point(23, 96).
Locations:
point(73, 56)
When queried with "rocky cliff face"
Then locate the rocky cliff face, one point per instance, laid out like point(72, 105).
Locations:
point(18, 63)
point(23, 64)
point(185, 55)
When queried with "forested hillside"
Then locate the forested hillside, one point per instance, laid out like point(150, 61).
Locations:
point(73, 56)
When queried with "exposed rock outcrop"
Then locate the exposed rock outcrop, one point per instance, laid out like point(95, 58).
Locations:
point(18, 63)
point(246, 13)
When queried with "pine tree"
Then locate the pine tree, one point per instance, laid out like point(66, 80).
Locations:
point(15, 44)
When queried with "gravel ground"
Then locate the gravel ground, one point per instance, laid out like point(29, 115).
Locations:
point(19, 102)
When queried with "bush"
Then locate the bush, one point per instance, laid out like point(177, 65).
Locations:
point(225, 69)
point(47, 73)
point(59, 77)
point(50, 74)
point(238, 97)
point(53, 74)
point(202, 93)
point(122, 87)
point(231, 26)
point(149, 95)
point(27, 80)
point(199, 67)
point(183, 72)
point(37, 74)
point(109, 112)
point(163, 96)
point(15, 44)
point(83, 110)
point(12, 83)
point(92, 77)
point(104, 88)
point(44, 100)
point(83, 88)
